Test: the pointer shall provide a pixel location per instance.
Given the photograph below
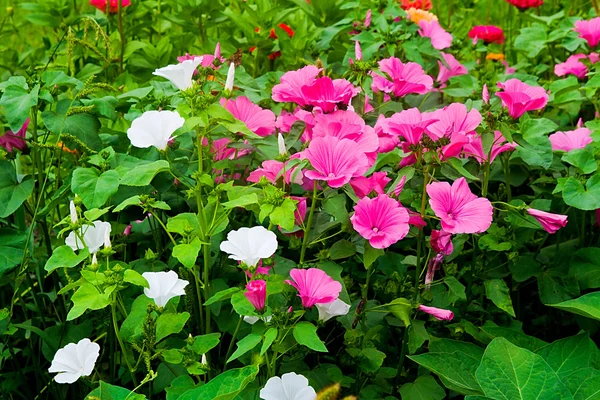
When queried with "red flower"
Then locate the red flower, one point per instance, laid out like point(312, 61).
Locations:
point(286, 28)
point(525, 4)
point(114, 5)
point(418, 4)
point(487, 33)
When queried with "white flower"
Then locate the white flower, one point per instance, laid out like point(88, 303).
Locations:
point(249, 245)
point(94, 237)
point(73, 211)
point(154, 128)
point(74, 361)
point(204, 361)
point(180, 74)
point(107, 239)
point(333, 309)
point(164, 286)
point(252, 320)
point(281, 144)
point(230, 77)
point(94, 259)
point(290, 386)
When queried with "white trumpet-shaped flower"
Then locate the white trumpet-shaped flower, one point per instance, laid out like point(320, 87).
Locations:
point(290, 386)
point(154, 128)
point(164, 286)
point(180, 74)
point(75, 360)
point(249, 245)
point(230, 77)
point(333, 309)
point(94, 237)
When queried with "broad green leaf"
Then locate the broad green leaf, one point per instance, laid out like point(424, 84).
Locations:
point(510, 372)
point(17, 103)
point(342, 249)
point(584, 384)
point(143, 175)
point(402, 309)
point(94, 189)
point(135, 278)
point(12, 246)
point(533, 128)
point(184, 224)
point(283, 215)
point(458, 166)
point(245, 345)
point(270, 337)
point(65, 257)
point(241, 201)
point(455, 289)
point(371, 255)
point(585, 267)
point(204, 343)
point(132, 327)
point(417, 335)
point(107, 391)
point(169, 323)
point(370, 360)
point(87, 297)
point(582, 159)
point(12, 192)
point(84, 127)
point(131, 201)
point(532, 39)
point(569, 355)
point(241, 305)
point(179, 386)
point(497, 291)
point(187, 253)
point(423, 388)
point(584, 198)
point(462, 86)
point(225, 386)
point(535, 152)
point(517, 338)
point(221, 295)
point(587, 305)
point(305, 334)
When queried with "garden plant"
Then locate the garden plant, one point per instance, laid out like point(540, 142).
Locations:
point(299, 200)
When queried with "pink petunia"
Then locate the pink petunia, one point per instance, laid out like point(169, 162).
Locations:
point(257, 119)
point(439, 313)
point(456, 68)
point(571, 140)
point(273, 170)
point(519, 97)
point(113, 5)
point(314, 286)
point(440, 39)
point(573, 66)
point(406, 78)
point(451, 119)
point(409, 125)
point(459, 209)
point(256, 293)
point(381, 220)
point(550, 222)
point(335, 160)
point(327, 93)
point(388, 139)
point(15, 140)
point(589, 30)
point(290, 88)
point(475, 148)
point(364, 186)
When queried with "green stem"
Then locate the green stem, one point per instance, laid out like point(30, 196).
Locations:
point(506, 167)
point(121, 33)
point(230, 348)
point(308, 223)
point(162, 224)
point(113, 310)
point(486, 178)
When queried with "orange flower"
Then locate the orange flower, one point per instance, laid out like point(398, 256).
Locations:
point(64, 148)
point(417, 16)
point(495, 56)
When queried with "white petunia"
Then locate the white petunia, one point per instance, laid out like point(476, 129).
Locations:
point(290, 386)
point(94, 237)
point(164, 286)
point(180, 74)
point(154, 128)
point(333, 309)
point(230, 77)
point(74, 361)
point(249, 245)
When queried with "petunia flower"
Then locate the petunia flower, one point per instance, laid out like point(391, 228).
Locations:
point(475, 148)
point(327, 93)
point(382, 220)
point(589, 30)
point(180, 74)
point(113, 5)
point(314, 286)
point(164, 286)
point(519, 97)
point(573, 66)
point(290, 87)
point(368, 17)
point(364, 186)
point(439, 313)
point(250, 245)
point(459, 209)
point(334, 309)
point(456, 68)
point(571, 140)
point(440, 39)
point(154, 128)
point(256, 293)
point(273, 170)
point(74, 361)
point(290, 386)
point(258, 120)
point(94, 237)
point(550, 222)
point(15, 140)
point(409, 78)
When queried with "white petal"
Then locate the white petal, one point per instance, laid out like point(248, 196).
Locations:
point(180, 74)
point(154, 128)
point(67, 377)
point(251, 320)
point(250, 244)
point(74, 242)
point(333, 309)
point(163, 286)
point(293, 384)
point(273, 390)
point(73, 211)
point(230, 77)
point(281, 144)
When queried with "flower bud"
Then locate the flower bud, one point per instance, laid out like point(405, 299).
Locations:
point(230, 77)
point(281, 144)
point(73, 212)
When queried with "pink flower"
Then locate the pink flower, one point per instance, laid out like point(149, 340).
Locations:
point(507, 69)
point(220, 151)
point(335, 161)
point(594, 58)
point(406, 78)
point(485, 94)
point(440, 39)
point(458, 208)
point(388, 139)
point(452, 119)
point(273, 171)
point(357, 51)
point(364, 186)
point(571, 140)
point(113, 6)
point(290, 88)
point(400, 186)
point(368, 19)
point(572, 67)
point(256, 293)
point(475, 148)
point(519, 97)
point(415, 219)
point(487, 33)
point(382, 220)
point(314, 286)
point(456, 68)
point(589, 30)
point(300, 212)
point(410, 125)
point(441, 242)
point(208, 60)
point(525, 4)
point(327, 93)
point(439, 313)
point(15, 140)
point(550, 222)
point(258, 120)
point(127, 230)
point(260, 270)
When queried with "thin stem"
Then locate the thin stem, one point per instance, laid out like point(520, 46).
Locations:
point(308, 223)
point(230, 348)
point(164, 227)
point(113, 309)
point(121, 33)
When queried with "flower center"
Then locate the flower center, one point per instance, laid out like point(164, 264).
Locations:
point(331, 175)
point(375, 229)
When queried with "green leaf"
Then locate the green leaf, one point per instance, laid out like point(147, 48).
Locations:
point(187, 253)
point(143, 175)
point(417, 335)
point(135, 278)
point(107, 391)
point(184, 224)
point(588, 198)
point(132, 327)
point(517, 338)
point(402, 309)
point(84, 127)
point(582, 159)
point(423, 388)
point(455, 289)
point(245, 345)
point(457, 164)
point(179, 386)
point(585, 267)
point(87, 297)
point(371, 255)
point(241, 201)
point(94, 189)
point(283, 215)
point(535, 152)
point(370, 360)
point(221, 295)
point(65, 257)
point(241, 305)
point(131, 201)
point(462, 86)
point(510, 372)
point(169, 323)
point(270, 337)
point(584, 384)
point(342, 249)
point(225, 386)
point(17, 103)
point(587, 305)
point(305, 334)
point(569, 355)
point(497, 291)
point(534, 128)
point(204, 343)
point(12, 192)
point(12, 246)
point(532, 40)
